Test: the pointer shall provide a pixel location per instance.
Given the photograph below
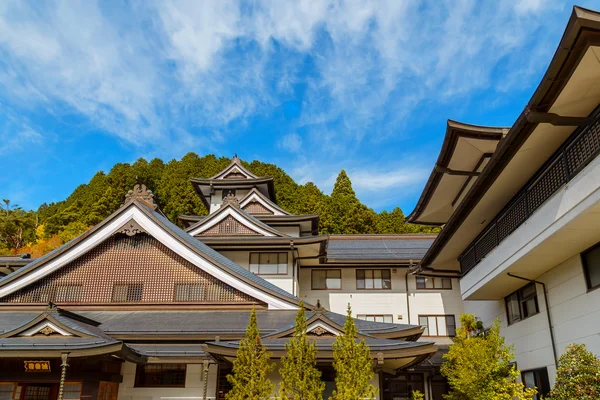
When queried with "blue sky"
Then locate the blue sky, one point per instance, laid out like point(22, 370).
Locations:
point(312, 86)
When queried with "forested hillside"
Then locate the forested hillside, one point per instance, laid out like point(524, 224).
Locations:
point(40, 231)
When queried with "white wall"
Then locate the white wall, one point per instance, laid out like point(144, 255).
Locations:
point(286, 282)
point(217, 198)
point(394, 301)
point(193, 390)
point(574, 311)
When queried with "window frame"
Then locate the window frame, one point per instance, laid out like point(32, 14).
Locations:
point(543, 380)
point(287, 266)
point(436, 316)
point(189, 289)
point(130, 286)
point(520, 301)
point(140, 370)
point(433, 282)
point(585, 267)
point(312, 271)
point(363, 317)
point(364, 271)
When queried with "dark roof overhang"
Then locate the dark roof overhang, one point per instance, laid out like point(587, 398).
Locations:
point(487, 137)
point(582, 32)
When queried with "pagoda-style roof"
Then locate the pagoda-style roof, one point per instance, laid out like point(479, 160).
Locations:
point(465, 152)
point(235, 176)
point(312, 220)
point(231, 220)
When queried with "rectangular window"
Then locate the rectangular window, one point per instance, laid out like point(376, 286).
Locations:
point(6, 391)
point(326, 279)
point(537, 378)
point(438, 325)
point(376, 317)
point(373, 279)
point(269, 263)
point(160, 375)
point(72, 391)
point(522, 304)
point(591, 266)
point(68, 293)
point(189, 292)
point(433, 283)
point(127, 293)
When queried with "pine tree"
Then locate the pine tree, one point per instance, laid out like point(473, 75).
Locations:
point(353, 365)
point(479, 366)
point(251, 366)
point(301, 380)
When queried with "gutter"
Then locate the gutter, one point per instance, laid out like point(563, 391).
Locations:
point(547, 313)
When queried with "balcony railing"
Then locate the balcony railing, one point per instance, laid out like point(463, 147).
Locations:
point(577, 152)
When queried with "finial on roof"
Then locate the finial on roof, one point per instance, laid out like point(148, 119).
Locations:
point(230, 199)
point(319, 307)
point(51, 307)
point(235, 159)
point(142, 193)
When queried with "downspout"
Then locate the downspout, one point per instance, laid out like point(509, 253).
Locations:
point(547, 313)
point(407, 298)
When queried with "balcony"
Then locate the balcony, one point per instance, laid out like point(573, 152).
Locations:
point(582, 147)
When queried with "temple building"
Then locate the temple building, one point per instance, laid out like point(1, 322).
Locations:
point(138, 308)
point(520, 207)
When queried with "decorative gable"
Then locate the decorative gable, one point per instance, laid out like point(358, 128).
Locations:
point(229, 226)
point(257, 203)
point(130, 269)
point(235, 173)
point(255, 208)
point(230, 220)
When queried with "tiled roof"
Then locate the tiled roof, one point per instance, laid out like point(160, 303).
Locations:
point(380, 247)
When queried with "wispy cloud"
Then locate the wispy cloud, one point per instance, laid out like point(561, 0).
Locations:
point(169, 77)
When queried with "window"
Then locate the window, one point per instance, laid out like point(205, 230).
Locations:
point(68, 293)
point(433, 283)
point(522, 304)
point(376, 318)
point(591, 266)
point(438, 325)
point(189, 292)
point(269, 263)
point(6, 391)
point(537, 378)
point(373, 279)
point(225, 192)
point(130, 292)
point(326, 279)
point(157, 375)
point(72, 391)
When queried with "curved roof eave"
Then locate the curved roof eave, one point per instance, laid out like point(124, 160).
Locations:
point(454, 131)
point(582, 31)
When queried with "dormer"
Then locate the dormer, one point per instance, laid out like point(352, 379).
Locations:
point(233, 180)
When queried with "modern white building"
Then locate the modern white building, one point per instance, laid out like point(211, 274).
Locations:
point(520, 207)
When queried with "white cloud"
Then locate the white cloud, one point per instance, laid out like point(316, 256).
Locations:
point(170, 77)
point(291, 142)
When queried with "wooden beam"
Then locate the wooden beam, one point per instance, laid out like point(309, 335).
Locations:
point(449, 171)
point(537, 117)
